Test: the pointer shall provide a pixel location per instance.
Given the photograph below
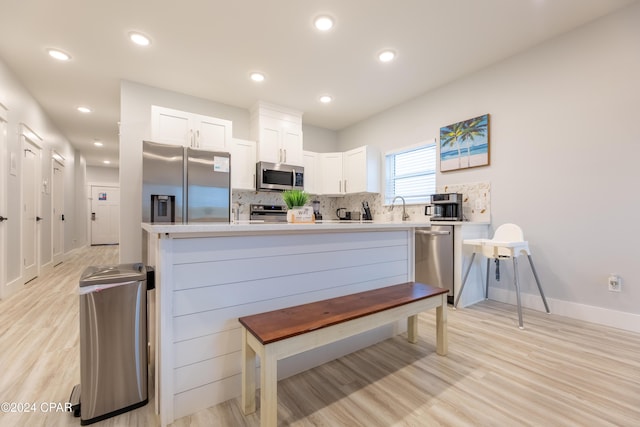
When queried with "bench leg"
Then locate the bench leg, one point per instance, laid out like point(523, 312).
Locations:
point(269, 389)
point(248, 376)
point(441, 327)
point(412, 329)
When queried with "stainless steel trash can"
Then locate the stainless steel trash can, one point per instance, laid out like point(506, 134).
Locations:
point(113, 341)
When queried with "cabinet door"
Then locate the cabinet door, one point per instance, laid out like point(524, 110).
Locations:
point(361, 170)
point(331, 173)
point(243, 164)
point(311, 178)
point(291, 144)
point(355, 170)
point(171, 126)
point(212, 133)
point(269, 149)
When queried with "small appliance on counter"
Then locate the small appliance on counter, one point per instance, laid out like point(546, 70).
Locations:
point(366, 216)
point(343, 214)
point(445, 207)
point(316, 210)
point(268, 213)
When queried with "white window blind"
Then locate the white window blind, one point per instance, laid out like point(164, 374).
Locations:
point(411, 174)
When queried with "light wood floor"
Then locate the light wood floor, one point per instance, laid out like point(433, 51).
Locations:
point(557, 372)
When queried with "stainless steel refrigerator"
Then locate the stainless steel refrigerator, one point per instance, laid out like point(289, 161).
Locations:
point(181, 184)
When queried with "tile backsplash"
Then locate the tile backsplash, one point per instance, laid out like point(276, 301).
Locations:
point(476, 199)
point(476, 204)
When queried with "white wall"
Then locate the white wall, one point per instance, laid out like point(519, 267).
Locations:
point(319, 140)
point(564, 154)
point(103, 175)
point(23, 108)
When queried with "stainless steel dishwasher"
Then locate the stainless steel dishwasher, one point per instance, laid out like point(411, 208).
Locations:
point(434, 257)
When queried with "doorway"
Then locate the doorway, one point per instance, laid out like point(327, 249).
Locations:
point(30, 207)
point(105, 215)
point(57, 210)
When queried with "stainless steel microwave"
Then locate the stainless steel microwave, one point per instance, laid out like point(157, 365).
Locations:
point(279, 177)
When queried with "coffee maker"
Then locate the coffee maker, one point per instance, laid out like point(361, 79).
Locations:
point(445, 207)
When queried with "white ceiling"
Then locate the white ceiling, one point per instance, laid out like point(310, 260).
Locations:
point(207, 48)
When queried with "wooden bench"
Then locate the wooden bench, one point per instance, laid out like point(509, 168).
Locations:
point(282, 333)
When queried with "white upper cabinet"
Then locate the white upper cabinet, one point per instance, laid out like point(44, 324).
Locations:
point(354, 171)
point(278, 132)
point(243, 164)
point(177, 127)
point(331, 182)
point(311, 172)
point(361, 170)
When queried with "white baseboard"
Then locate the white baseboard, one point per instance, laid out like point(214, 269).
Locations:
point(12, 287)
point(588, 313)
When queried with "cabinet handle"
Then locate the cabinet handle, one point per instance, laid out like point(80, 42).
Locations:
point(345, 185)
point(285, 155)
point(339, 186)
point(198, 138)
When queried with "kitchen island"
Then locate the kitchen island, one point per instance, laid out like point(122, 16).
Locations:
point(208, 275)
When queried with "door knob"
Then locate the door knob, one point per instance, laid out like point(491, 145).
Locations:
point(2, 218)
point(39, 218)
point(93, 216)
point(62, 218)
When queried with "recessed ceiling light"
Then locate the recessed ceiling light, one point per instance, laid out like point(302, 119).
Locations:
point(386, 55)
point(58, 54)
point(98, 143)
point(106, 162)
point(257, 77)
point(139, 39)
point(323, 23)
point(325, 99)
point(85, 110)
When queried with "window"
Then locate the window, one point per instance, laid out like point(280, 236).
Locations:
point(411, 173)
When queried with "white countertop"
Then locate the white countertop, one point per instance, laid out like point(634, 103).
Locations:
point(249, 227)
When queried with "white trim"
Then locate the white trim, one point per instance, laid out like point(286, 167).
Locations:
point(26, 138)
point(4, 172)
point(574, 310)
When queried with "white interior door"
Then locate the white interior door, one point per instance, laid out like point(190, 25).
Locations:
point(57, 223)
point(4, 171)
point(30, 206)
point(105, 215)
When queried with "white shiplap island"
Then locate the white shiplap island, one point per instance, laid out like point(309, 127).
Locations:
point(208, 275)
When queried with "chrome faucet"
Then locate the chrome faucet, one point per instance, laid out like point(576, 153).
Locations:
point(404, 211)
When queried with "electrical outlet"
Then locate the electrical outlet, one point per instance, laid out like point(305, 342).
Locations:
point(615, 283)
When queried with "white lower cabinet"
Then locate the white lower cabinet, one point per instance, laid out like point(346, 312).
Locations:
point(243, 164)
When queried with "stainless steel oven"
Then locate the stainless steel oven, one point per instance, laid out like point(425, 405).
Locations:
point(268, 213)
point(279, 177)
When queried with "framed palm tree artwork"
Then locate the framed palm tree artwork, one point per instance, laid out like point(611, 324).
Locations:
point(465, 144)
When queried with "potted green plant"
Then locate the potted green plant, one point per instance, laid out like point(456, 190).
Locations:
point(294, 199)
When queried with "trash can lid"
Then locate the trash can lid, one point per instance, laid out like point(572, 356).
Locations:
point(105, 274)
